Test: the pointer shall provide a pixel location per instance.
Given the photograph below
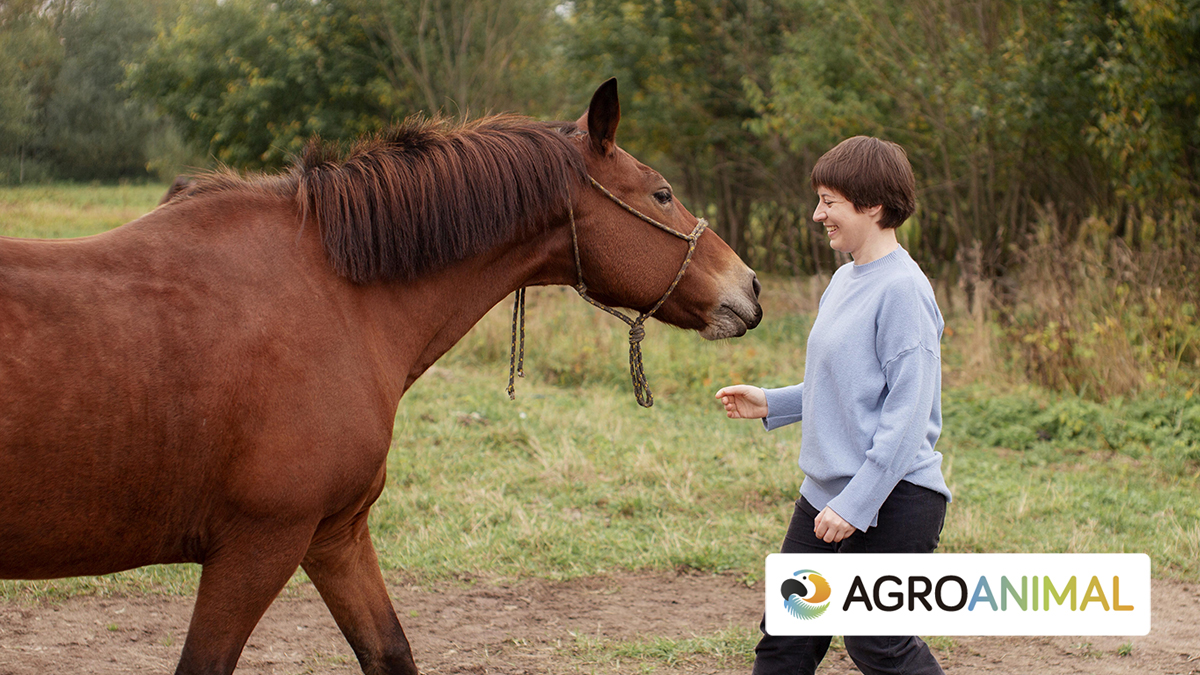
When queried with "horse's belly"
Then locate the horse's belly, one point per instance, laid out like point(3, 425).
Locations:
point(47, 554)
point(81, 509)
point(48, 563)
point(59, 524)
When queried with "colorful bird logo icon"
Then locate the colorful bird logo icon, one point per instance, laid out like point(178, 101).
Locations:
point(804, 593)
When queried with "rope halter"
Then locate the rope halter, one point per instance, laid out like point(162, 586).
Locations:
point(637, 330)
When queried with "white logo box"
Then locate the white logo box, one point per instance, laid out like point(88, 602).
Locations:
point(1118, 581)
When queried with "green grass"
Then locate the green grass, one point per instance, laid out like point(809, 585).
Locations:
point(1070, 489)
point(73, 210)
point(563, 483)
point(732, 647)
point(574, 479)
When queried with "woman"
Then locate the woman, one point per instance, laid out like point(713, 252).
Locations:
point(870, 401)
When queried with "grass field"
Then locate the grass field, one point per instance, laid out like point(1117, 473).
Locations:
point(56, 211)
point(573, 478)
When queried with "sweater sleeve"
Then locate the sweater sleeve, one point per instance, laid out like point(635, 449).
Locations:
point(908, 333)
point(912, 385)
point(785, 406)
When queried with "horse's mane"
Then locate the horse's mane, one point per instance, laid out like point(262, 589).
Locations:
point(427, 193)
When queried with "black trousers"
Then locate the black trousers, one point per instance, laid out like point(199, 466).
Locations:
point(910, 521)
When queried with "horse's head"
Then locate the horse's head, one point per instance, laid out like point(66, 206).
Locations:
point(628, 262)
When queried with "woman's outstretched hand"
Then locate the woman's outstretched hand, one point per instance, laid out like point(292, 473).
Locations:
point(743, 402)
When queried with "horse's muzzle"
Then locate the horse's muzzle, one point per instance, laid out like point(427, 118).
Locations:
point(738, 312)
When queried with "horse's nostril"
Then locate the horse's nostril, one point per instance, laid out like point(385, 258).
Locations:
point(757, 286)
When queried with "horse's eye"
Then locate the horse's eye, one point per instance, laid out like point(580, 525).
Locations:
point(663, 197)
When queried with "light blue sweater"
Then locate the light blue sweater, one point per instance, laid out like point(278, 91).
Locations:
point(871, 396)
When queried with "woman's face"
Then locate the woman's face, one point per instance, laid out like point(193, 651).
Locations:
point(849, 229)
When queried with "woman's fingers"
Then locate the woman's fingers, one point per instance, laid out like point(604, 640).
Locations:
point(742, 401)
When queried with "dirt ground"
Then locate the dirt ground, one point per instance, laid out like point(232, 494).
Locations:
point(537, 627)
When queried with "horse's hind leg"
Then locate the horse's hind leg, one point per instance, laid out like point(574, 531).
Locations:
point(239, 582)
point(343, 566)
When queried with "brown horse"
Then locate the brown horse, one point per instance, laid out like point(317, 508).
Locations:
point(216, 382)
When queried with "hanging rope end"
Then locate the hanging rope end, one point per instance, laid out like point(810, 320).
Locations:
point(516, 354)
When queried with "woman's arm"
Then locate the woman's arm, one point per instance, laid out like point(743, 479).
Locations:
point(913, 380)
point(775, 407)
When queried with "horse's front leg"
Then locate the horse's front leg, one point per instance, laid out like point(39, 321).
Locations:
point(241, 577)
point(343, 566)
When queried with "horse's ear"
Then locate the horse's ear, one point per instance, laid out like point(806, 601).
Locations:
point(603, 115)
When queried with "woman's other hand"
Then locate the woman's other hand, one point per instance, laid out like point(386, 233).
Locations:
point(830, 527)
point(743, 402)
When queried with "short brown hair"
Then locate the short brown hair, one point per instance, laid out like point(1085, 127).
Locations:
point(869, 172)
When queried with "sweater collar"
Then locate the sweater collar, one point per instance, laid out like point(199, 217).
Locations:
point(894, 259)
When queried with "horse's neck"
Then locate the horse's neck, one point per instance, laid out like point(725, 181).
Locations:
point(421, 320)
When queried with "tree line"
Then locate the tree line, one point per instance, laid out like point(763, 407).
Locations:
point(1027, 122)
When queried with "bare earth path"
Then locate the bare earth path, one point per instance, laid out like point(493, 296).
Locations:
point(536, 627)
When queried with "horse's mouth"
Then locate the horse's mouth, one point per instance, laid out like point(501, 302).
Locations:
point(729, 321)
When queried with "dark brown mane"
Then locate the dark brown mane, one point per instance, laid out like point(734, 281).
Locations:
point(427, 193)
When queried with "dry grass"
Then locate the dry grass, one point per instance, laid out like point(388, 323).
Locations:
point(1099, 320)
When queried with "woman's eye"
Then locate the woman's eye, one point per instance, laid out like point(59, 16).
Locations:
point(663, 196)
